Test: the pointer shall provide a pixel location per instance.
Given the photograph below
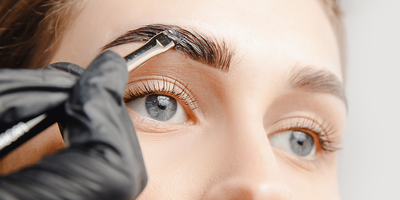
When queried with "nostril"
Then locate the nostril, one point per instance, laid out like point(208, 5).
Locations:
point(248, 190)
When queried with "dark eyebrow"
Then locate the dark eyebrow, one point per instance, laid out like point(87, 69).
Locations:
point(197, 47)
point(311, 79)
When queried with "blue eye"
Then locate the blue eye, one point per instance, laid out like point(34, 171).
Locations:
point(301, 143)
point(159, 107)
point(298, 143)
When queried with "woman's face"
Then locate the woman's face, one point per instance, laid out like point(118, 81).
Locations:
point(263, 129)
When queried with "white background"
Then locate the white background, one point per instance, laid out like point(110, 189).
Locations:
point(369, 162)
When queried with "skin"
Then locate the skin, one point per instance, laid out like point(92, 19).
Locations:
point(43, 144)
point(224, 152)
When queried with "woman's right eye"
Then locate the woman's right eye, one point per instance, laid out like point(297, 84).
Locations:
point(159, 107)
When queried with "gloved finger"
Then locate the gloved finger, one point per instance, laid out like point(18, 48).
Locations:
point(104, 160)
point(25, 94)
point(70, 68)
point(97, 117)
point(17, 111)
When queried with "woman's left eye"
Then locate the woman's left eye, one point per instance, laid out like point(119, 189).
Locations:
point(298, 143)
point(159, 107)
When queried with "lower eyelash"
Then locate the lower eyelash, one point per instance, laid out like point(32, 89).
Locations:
point(160, 85)
point(323, 131)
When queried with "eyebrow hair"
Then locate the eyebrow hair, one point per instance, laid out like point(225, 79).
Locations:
point(197, 47)
point(310, 79)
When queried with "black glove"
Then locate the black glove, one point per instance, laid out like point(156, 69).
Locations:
point(103, 159)
point(25, 93)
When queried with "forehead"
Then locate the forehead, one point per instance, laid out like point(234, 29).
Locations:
point(275, 33)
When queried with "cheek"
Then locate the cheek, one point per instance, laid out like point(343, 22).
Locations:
point(47, 142)
point(182, 164)
point(320, 184)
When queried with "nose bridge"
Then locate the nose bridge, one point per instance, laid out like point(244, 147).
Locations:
point(251, 172)
point(248, 139)
point(252, 154)
point(251, 151)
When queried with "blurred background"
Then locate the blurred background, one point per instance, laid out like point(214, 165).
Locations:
point(369, 162)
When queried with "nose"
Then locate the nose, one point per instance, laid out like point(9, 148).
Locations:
point(248, 189)
point(248, 169)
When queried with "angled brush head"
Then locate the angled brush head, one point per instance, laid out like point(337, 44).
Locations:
point(162, 38)
point(173, 35)
point(158, 44)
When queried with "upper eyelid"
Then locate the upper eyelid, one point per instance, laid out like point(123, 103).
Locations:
point(312, 123)
point(160, 84)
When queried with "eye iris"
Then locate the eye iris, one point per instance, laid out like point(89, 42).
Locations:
point(161, 107)
point(301, 143)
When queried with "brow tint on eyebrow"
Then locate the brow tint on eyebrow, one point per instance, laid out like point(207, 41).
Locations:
point(310, 79)
point(197, 47)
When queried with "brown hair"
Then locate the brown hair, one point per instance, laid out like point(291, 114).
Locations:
point(30, 31)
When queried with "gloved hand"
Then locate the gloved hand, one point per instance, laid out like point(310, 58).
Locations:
point(103, 159)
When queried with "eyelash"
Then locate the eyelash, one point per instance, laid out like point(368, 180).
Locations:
point(323, 131)
point(163, 85)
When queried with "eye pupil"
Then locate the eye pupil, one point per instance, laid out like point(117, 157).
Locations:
point(301, 143)
point(163, 102)
point(161, 107)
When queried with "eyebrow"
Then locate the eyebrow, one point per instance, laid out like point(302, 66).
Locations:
point(197, 47)
point(310, 79)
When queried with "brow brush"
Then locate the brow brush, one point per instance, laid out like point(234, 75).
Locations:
point(23, 131)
